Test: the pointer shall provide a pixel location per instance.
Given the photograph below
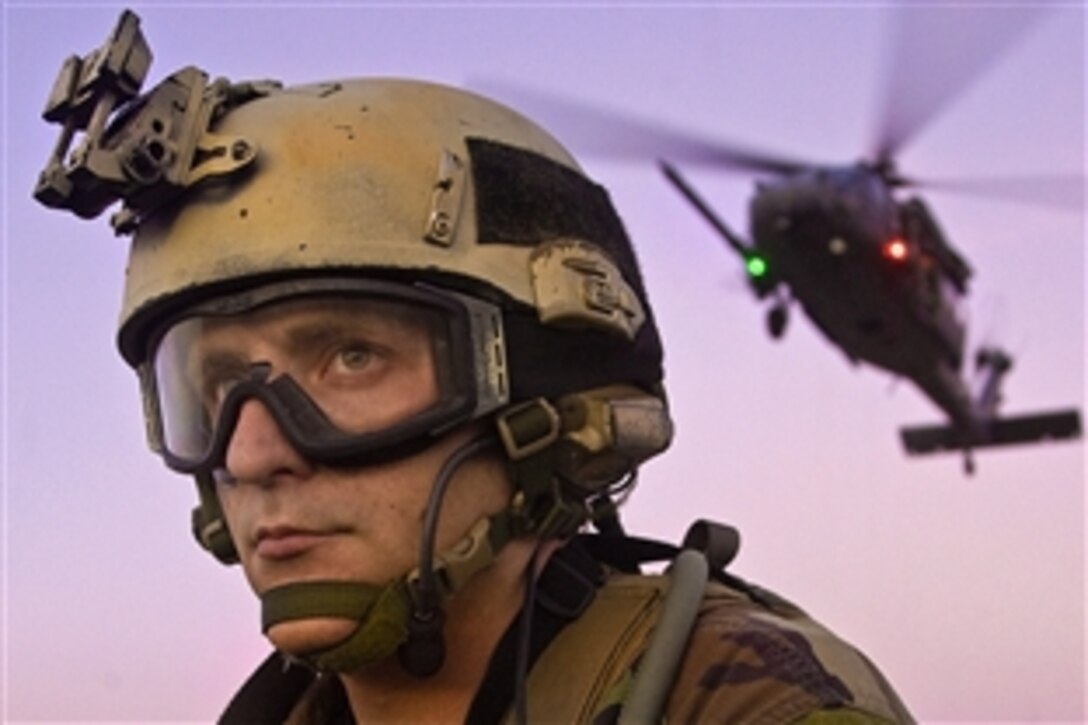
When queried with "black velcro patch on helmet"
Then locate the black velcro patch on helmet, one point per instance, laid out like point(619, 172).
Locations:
point(524, 198)
point(549, 361)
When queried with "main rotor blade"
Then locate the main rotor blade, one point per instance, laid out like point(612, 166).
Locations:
point(1057, 191)
point(615, 135)
point(936, 53)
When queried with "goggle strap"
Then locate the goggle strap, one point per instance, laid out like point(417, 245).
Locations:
point(382, 612)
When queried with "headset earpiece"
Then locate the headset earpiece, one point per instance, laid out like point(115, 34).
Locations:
point(607, 432)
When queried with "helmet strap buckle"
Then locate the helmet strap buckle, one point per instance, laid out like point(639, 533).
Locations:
point(529, 432)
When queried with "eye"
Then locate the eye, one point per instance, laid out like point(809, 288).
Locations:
point(354, 358)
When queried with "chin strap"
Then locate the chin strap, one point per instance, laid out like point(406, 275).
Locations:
point(390, 620)
point(380, 611)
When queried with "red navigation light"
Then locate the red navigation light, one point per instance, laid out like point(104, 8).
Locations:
point(896, 250)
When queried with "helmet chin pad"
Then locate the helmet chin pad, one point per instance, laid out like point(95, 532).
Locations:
point(382, 613)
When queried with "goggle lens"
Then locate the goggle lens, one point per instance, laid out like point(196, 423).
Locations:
point(340, 373)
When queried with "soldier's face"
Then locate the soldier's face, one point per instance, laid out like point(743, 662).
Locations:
point(293, 520)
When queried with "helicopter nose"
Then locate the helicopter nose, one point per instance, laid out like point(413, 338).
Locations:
point(804, 220)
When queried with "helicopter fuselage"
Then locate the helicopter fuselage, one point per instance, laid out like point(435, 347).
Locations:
point(873, 279)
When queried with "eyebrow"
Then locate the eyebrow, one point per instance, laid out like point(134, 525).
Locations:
point(379, 325)
point(218, 364)
point(305, 336)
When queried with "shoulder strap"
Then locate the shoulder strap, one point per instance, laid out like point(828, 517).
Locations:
point(575, 676)
point(588, 667)
point(566, 587)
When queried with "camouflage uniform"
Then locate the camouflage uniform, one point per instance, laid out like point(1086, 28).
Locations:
point(748, 663)
point(752, 657)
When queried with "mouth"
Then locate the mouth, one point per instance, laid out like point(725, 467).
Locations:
point(277, 543)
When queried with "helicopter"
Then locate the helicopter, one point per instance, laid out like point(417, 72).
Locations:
point(871, 268)
point(879, 279)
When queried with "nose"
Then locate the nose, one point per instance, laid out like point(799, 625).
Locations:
point(258, 452)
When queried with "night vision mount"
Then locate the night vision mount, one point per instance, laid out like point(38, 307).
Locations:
point(142, 150)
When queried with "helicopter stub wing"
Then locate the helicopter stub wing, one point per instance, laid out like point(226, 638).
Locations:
point(762, 282)
point(1035, 428)
point(696, 200)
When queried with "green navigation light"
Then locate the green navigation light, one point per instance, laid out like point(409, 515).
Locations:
point(757, 266)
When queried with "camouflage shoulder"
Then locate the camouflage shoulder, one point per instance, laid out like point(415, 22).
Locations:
point(768, 661)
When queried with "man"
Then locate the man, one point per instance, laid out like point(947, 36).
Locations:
point(402, 344)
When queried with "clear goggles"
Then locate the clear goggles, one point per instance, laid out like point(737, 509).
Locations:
point(353, 371)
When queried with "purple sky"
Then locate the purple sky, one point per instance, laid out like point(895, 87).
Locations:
point(968, 592)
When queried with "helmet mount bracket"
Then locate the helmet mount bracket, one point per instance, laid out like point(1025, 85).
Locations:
point(157, 145)
point(445, 209)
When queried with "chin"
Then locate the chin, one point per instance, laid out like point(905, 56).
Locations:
point(302, 636)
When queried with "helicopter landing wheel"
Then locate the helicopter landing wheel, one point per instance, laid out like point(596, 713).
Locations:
point(777, 317)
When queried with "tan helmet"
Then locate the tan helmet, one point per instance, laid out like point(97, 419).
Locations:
point(409, 181)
